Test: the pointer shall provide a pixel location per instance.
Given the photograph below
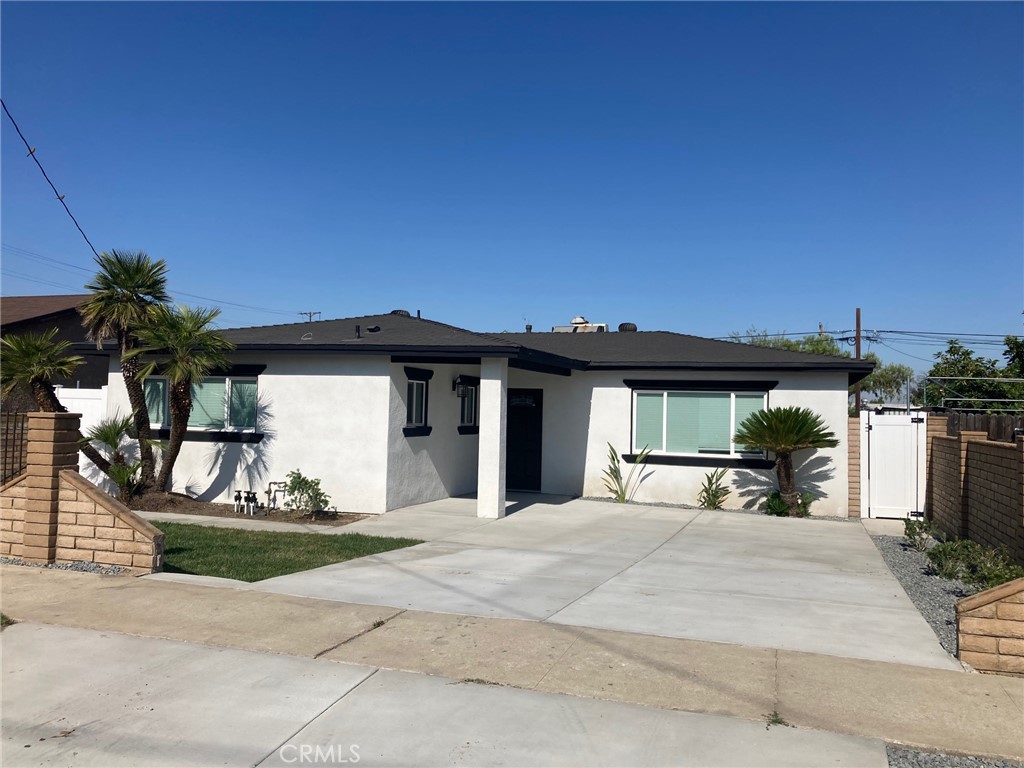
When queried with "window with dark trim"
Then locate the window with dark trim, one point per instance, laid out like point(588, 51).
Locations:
point(693, 423)
point(417, 402)
point(219, 403)
point(468, 409)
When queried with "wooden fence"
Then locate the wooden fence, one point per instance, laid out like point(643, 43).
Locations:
point(998, 426)
point(14, 434)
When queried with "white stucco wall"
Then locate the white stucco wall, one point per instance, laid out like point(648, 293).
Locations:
point(823, 471)
point(323, 415)
point(434, 466)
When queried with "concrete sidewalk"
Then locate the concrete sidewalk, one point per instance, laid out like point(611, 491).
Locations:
point(81, 697)
point(928, 708)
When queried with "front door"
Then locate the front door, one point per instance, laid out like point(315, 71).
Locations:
point(523, 439)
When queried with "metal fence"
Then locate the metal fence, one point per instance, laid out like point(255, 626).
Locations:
point(14, 436)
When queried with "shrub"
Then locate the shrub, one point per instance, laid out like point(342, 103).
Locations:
point(774, 505)
point(622, 490)
point(919, 533)
point(305, 493)
point(973, 563)
point(714, 492)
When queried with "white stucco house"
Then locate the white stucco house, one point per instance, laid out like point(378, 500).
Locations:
point(392, 410)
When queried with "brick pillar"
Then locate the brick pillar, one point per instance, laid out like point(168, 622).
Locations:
point(965, 511)
point(52, 447)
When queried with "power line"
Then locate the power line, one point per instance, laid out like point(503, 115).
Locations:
point(60, 197)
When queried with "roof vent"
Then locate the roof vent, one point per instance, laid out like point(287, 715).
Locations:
point(401, 312)
point(373, 329)
point(579, 320)
point(627, 327)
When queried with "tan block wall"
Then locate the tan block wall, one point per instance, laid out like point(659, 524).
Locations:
point(94, 527)
point(12, 517)
point(994, 493)
point(853, 467)
point(945, 486)
point(990, 629)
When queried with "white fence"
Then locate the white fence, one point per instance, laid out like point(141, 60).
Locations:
point(92, 404)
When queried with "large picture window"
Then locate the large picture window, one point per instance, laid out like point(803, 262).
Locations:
point(692, 423)
point(217, 403)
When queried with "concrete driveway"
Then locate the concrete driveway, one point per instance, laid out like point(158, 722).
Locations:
point(804, 585)
point(77, 697)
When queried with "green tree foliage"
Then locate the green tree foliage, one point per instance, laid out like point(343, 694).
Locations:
point(31, 361)
point(968, 390)
point(124, 292)
point(182, 345)
point(784, 431)
point(886, 382)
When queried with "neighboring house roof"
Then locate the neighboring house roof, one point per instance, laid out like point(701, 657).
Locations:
point(17, 309)
point(400, 335)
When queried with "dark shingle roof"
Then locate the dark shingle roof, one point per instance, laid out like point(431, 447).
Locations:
point(394, 331)
point(16, 309)
point(664, 348)
point(399, 334)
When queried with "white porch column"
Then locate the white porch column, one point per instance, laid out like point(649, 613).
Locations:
point(490, 480)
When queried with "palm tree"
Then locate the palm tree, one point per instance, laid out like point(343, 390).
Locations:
point(33, 361)
point(185, 349)
point(125, 291)
point(110, 434)
point(784, 431)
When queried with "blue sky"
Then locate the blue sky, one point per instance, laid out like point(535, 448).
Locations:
point(697, 167)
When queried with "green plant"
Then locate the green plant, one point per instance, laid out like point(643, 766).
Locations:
point(622, 489)
point(183, 346)
point(773, 504)
point(784, 431)
point(126, 478)
point(305, 493)
point(774, 718)
point(919, 533)
point(973, 563)
point(124, 291)
point(111, 435)
point(714, 492)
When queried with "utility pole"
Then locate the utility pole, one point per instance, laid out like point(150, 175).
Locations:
point(856, 387)
point(309, 316)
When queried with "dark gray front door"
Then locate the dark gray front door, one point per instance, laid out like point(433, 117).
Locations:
point(523, 439)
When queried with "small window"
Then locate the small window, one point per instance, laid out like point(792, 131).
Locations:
point(416, 404)
point(208, 400)
point(468, 414)
point(242, 411)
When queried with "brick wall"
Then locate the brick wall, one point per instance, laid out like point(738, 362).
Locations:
point(12, 517)
point(53, 514)
point(990, 629)
point(93, 527)
point(976, 490)
point(853, 467)
point(995, 514)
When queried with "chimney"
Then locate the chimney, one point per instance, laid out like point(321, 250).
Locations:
point(529, 328)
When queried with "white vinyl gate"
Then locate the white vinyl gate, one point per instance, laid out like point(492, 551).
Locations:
point(893, 470)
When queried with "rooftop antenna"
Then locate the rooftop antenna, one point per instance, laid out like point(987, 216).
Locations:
point(309, 316)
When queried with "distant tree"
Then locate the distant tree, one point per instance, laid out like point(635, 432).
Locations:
point(887, 380)
point(966, 378)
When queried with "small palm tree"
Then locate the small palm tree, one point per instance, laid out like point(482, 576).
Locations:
point(111, 434)
point(784, 431)
point(124, 292)
point(184, 348)
point(33, 361)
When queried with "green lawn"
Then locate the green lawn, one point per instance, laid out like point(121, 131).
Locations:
point(255, 555)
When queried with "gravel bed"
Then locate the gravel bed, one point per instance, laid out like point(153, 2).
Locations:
point(934, 596)
point(80, 566)
point(901, 757)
